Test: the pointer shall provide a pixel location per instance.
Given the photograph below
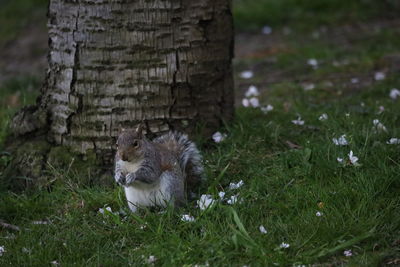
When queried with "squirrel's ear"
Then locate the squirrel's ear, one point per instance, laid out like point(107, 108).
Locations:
point(139, 129)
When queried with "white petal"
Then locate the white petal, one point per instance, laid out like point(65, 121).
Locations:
point(394, 93)
point(254, 102)
point(267, 109)
point(266, 30)
point(312, 62)
point(379, 76)
point(187, 218)
point(245, 102)
point(233, 186)
point(205, 201)
point(262, 229)
point(323, 117)
point(393, 141)
point(252, 91)
point(247, 74)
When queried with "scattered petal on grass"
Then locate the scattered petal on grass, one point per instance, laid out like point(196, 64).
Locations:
point(348, 253)
point(323, 117)
point(221, 195)
point(254, 102)
point(252, 91)
point(219, 137)
point(267, 109)
point(298, 121)
point(40, 222)
point(284, 245)
point(262, 229)
point(233, 200)
point(378, 126)
point(187, 218)
point(54, 263)
point(318, 214)
point(353, 159)
point(393, 141)
point(394, 93)
point(341, 141)
point(25, 250)
point(150, 260)
point(308, 86)
point(233, 186)
point(354, 80)
point(347, 115)
point(205, 201)
point(379, 76)
point(2, 250)
point(247, 74)
point(381, 109)
point(312, 62)
point(340, 160)
point(266, 30)
point(245, 102)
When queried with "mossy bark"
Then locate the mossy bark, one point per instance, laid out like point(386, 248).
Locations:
point(114, 64)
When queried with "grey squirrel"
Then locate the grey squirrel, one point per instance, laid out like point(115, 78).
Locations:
point(158, 172)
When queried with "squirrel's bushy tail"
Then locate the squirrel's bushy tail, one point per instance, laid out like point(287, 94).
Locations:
point(189, 157)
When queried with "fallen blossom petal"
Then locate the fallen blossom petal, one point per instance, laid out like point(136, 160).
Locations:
point(308, 86)
point(267, 109)
point(354, 80)
point(205, 201)
point(394, 93)
point(2, 250)
point(233, 186)
point(298, 121)
point(247, 74)
point(151, 259)
point(379, 76)
point(341, 141)
point(378, 126)
point(233, 200)
point(381, 109)
point(318, 214)
point(323, 117)
point(262, 229)
point(348, 253)
point(245, 102)
point(266, 30)
point(284, 245)
point(312, 62)
point(187, 218)
point(254, 102)
point(252, 91)
point(393, 141)
point(340, 160)
point(353, 159)
point(221, 195)
point(218, 137)
point(54, 263)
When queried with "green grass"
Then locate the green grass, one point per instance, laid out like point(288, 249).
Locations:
point(306, 14)
point(282, 190)
point(16, 14)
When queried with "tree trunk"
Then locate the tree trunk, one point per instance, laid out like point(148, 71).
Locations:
point(113, 64)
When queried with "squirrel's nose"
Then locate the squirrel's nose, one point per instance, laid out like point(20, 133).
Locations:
point(124, 157)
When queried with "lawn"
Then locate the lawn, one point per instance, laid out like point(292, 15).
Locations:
point(324, 188)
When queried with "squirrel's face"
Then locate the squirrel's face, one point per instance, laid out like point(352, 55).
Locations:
point(129, 145)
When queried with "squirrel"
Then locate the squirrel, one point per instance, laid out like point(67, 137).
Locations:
point(158, 172)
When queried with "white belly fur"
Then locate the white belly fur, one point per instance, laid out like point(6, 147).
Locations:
point(143, 195)
point(128, 167)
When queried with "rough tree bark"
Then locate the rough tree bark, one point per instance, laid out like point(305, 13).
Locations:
point(115, 63)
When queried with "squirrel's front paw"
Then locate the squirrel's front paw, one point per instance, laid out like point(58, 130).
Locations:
point(130, 178)
point(121, 179)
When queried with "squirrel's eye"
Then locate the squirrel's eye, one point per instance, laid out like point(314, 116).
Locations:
point(135, 144)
